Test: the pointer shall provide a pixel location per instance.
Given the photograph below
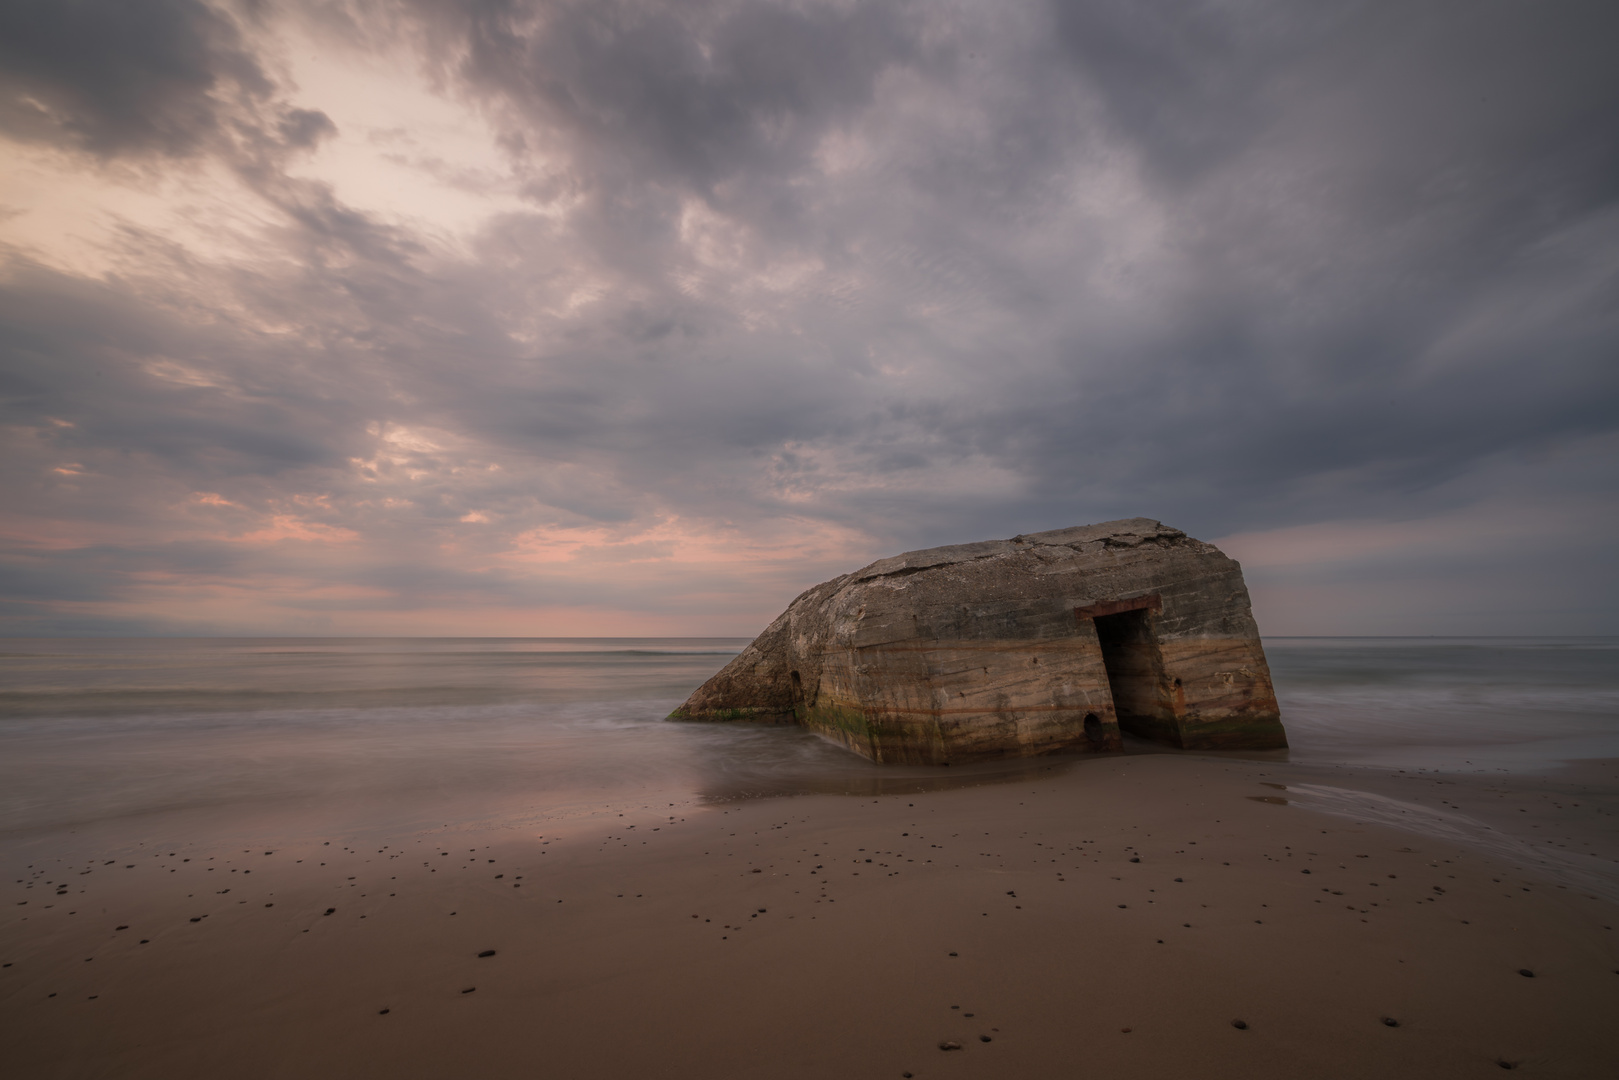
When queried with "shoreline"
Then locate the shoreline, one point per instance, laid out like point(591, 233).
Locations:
point(638, 945)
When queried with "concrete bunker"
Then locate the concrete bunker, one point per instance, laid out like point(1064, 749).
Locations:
point(1045, 643)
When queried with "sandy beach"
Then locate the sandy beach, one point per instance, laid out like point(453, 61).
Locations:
point(1141, 915)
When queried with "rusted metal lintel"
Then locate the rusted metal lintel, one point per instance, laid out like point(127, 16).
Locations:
point(1153, 602)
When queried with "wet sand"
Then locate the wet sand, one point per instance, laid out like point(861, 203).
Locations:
point(1110, 917)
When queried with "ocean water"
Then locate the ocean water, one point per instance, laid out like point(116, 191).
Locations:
point(1457, 704)
point(120, 738)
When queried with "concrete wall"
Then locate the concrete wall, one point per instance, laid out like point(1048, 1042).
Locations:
point(989, 650)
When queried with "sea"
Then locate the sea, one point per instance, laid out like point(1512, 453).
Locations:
point(108, 739)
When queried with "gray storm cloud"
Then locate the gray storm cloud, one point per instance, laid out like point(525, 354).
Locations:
point(773, 289)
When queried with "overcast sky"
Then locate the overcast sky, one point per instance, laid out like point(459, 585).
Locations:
point(499, 317)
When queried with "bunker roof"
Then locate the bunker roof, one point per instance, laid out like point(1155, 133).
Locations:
point(1125, 532)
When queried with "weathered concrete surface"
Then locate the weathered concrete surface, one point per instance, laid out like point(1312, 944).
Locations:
point(1042, 643)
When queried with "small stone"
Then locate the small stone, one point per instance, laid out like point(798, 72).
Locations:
point(948, 1045)
point(984, 1038)
point(1526, 973)
point(125, 927)
point(380, 1012)
point(330, 910)
point(1135, 858)
point(486, 952)
point(1389, 1021)
point(469, 989)
point(1240, 1025)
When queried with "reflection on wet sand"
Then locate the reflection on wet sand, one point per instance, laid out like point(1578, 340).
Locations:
point(859, 777)
point(1590, 874)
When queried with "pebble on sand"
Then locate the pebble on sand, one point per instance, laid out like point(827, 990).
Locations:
point(1526, 973)
point(1240, 1025)
point(949, 1045)
point(486, 952)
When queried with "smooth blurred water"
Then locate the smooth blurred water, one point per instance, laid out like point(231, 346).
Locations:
point(1463, 704)
point(326, 735)
point(321, 735)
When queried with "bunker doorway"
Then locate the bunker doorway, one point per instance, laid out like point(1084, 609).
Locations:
point(800, 713)
point(1135, 675)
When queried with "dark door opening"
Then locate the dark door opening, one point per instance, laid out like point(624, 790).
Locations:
point(800, 713)
point(1093, 729)
point(1135, 674)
